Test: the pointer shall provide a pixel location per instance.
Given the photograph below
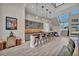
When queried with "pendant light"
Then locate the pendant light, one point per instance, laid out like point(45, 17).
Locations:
point(36, 11)
point(42, 12)
point(46, 13)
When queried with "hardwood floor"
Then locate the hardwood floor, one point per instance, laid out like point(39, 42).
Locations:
point(51, 48)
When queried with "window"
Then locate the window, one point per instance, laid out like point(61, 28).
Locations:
point(63, 17)
point(63, 21)
point(64, 24)
point(75, 20)
point(74, 12)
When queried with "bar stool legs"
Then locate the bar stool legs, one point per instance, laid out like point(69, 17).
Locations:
point(41, 40)
point(36, 42)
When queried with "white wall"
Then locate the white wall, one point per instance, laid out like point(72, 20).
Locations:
point(16, 11)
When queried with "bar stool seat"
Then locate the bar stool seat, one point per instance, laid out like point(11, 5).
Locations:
point(44, 37)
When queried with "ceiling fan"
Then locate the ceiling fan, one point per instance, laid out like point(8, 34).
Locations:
point(56, 5)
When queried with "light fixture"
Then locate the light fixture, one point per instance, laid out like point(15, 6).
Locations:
point(32, 6)
point(57, 4)
point(42, 12)
point(42, 6)
point(50, 13)
point(36, 11)
point(46, 13)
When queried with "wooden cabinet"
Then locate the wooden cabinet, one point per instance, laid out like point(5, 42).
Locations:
point(18, 42)
point(1, 45)
point(10, 43)
point(4, 44)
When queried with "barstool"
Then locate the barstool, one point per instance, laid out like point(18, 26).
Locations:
point(51, 36)
point(37, 40)
point(56, 34)
point(41, 39)
point(48, 37)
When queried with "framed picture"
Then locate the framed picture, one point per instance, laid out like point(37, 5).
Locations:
point(11, 23)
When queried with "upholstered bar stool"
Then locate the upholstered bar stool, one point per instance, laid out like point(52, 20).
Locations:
point(56, 34)
point(41, 39)
point(52, 34)
point(44, 37)
point(48, 37)
point(37, 39)
point(32, 40)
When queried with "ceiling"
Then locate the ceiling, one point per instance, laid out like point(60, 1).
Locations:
point(45, 10)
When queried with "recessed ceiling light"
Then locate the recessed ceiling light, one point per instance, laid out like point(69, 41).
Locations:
point(42, 6)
